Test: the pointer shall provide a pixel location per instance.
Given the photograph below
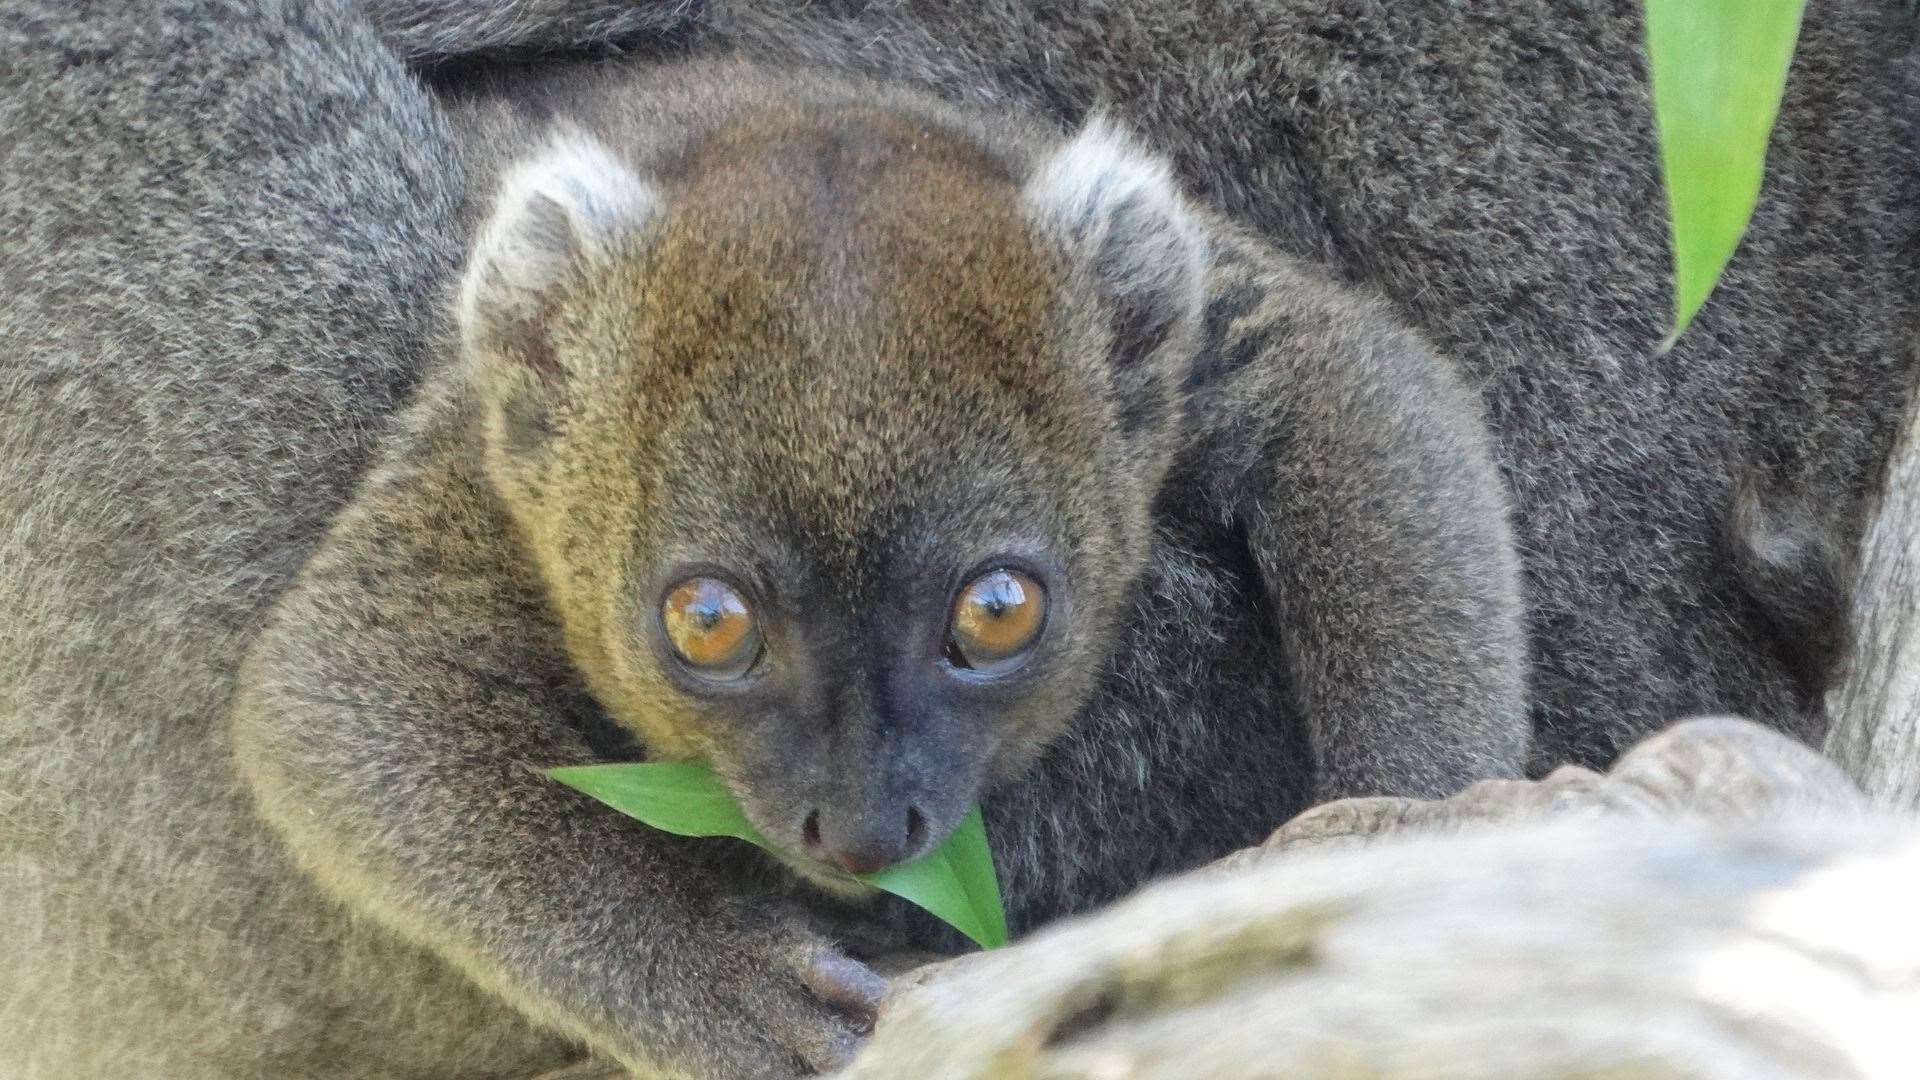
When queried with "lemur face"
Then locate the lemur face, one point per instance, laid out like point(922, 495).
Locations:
point(836, 450)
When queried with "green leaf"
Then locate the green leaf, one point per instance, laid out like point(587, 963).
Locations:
point(1718, 68)
point(680, 797)
point(956, 881)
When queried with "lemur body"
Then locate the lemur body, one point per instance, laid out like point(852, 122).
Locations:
point(739, 356)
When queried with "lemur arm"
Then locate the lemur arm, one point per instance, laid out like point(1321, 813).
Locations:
point(1363, 477)
point(394, 724)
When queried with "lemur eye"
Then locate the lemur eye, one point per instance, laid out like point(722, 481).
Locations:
point(711, 628)
point(997, 617)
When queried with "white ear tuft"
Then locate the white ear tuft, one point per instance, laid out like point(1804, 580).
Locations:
point(574, 202)
point(1116, 209)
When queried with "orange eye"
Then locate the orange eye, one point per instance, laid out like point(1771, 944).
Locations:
point(711, 628)
point(997, 617)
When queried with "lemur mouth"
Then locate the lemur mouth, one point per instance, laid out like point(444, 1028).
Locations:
point(822, 875)
point(825, 876)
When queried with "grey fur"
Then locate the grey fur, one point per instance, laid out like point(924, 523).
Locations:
point(228, 231)
point(225, 229)
point(1797, 566)
point(427, 30)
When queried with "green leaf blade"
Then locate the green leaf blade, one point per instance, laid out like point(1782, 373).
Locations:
point(683, 798)
point(956, 882)
point(1718, 69)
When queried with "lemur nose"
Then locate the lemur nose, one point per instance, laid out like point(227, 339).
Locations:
point(865, 845)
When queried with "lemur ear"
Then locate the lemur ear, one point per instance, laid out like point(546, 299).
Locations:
point(573, 203)
point(1116, 210)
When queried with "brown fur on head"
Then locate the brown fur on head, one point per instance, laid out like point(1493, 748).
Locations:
point(843, 359)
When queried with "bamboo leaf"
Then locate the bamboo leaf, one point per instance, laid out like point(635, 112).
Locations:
point(680, 797)
point(1718, 70)
point(956, 881)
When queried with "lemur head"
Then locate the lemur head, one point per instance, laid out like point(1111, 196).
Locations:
point(835, 443)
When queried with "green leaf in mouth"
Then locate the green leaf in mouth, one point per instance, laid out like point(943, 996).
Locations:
point(955, 881)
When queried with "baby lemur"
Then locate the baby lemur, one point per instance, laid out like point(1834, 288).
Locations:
point(890, 455)
point(1687, 518)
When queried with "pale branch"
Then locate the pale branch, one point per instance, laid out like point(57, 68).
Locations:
point(1875, 712)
